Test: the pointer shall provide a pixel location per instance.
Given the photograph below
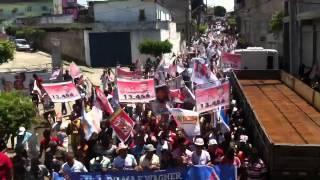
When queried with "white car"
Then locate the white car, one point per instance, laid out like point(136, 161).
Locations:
point(22, 45)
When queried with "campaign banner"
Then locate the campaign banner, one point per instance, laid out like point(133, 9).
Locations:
point(136, 91)
point(103, 101)
point(62, 92)
point(231, 60)
point(212, 97)
point(127, 74)
point(201, 74)
point(175, 83)
point(218, 172)
point(74, 70)
point(174, 174)
point(186, 119)
point(122, 124)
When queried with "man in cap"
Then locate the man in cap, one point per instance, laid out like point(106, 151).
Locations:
point(124, 161)
point(6, 166)
point(149, 161)
point(72, 166)
point(216, 153)
point(200, 156)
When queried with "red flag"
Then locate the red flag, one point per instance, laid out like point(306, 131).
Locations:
point(74, 70)
point(103, 101)
point(122, 124)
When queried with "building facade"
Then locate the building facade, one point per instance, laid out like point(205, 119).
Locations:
point(11, 9)
point(132, 21)
point(254, 17)
point(301, 34)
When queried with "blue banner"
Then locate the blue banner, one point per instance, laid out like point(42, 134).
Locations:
point(227, 172)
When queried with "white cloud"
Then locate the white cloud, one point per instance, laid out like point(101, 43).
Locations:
point(228, 4)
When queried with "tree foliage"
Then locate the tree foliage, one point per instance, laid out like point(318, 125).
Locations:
point(276, 21)
point(202, 28)
point(16, 110)
point(31, 34)
point(7, 50)
point(220, 11)
point(155, 48)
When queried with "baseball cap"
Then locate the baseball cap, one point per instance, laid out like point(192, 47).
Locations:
point(212, 142)
point(22, 130)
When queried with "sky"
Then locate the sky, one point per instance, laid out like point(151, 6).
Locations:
point(228, 4)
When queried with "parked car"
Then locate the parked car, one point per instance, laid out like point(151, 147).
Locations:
point(22, 45)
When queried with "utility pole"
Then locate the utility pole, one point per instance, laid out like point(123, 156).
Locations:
point(188, 22)
point(294, 38)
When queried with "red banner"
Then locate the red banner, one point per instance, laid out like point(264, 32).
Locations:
point(122, 124)
point(212, 97)
point(127, 74)
point(62, 92)
point(103, 101)
point(231, 60)
point(136, 91)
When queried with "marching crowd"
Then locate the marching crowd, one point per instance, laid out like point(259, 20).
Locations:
point(156, 142)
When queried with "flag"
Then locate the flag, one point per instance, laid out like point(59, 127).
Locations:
point(91, 122)
point(172, 70)
point(226, 172)
point(223, 119)
point(103, 101)
point(188, 120)
point(36, 88)
point(55, 74)
point(122, 124)
point(74, 70)
point(201, 172)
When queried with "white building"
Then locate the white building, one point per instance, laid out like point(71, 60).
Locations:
point(125, 24)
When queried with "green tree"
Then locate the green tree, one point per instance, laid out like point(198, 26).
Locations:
point(16, 110)
point(30, 34)
point(202, 28)
point(276, 21)
point(155, 48)
point(7, 50)
point(220, 11)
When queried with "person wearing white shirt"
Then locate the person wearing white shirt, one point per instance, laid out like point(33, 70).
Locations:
point(124, 161)
point(200, 156)
point(72, 166)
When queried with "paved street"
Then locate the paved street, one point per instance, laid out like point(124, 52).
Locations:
point(41, 60)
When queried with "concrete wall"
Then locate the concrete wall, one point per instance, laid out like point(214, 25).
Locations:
point(72, 44)
point(128, 11)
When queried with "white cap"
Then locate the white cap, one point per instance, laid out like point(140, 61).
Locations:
point(233, 102)
point(235, 109)
point(212, 142)
point(21, 130)
point(199, 142)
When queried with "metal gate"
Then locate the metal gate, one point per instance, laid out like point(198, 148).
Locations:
point(110, 48)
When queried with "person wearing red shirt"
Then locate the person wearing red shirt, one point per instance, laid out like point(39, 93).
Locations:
point(44, 144)
point(216, 153)
point(6, 166)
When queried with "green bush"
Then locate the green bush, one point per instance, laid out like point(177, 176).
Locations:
point(30, 34)
point(16, 110)
point(155, 48)
point(7, 50)
point(202, 28)
point(276, 23)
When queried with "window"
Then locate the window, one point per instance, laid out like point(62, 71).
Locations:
point(142, 15)
point(44, 8)
point(29, 9)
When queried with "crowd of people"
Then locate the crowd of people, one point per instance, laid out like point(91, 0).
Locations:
point(156, 142)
